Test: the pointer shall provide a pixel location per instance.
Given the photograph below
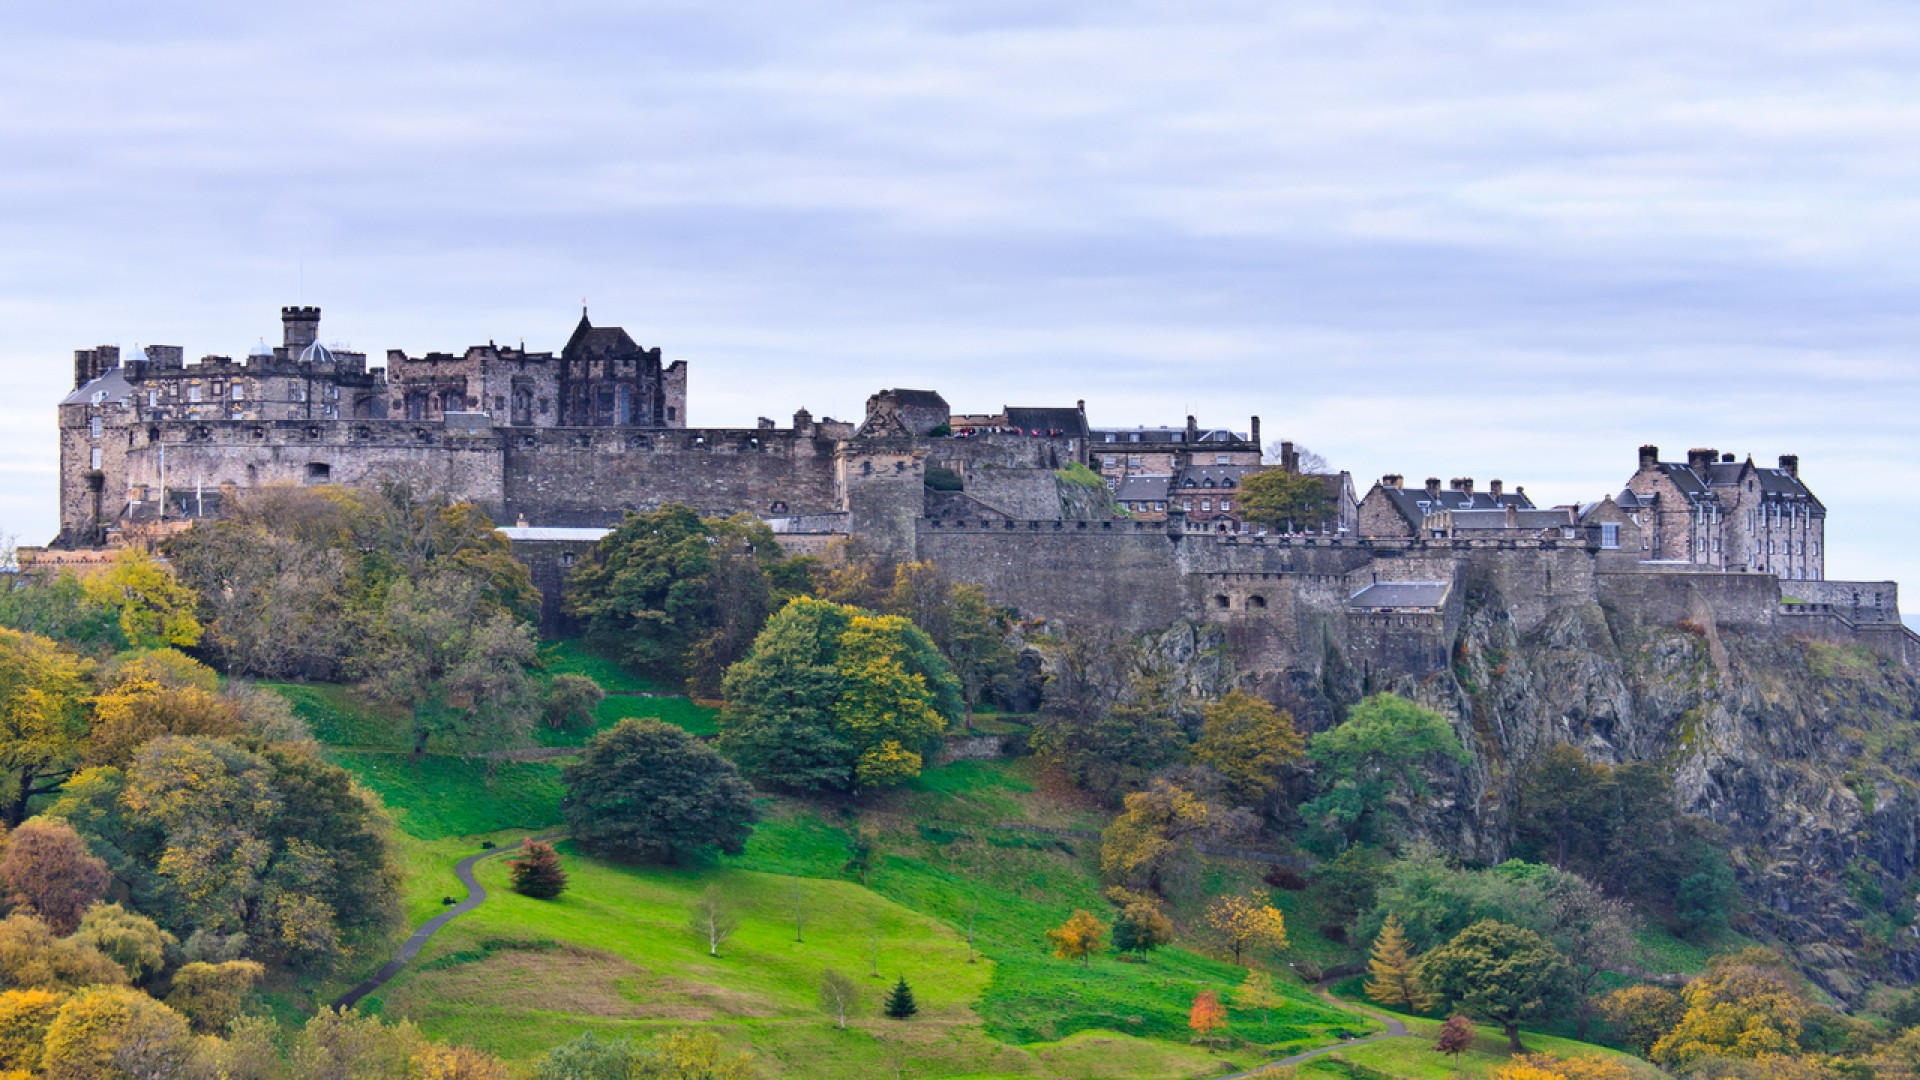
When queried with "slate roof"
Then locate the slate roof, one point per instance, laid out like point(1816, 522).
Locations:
point(540, 533)
point(1143, 489)
point(1144, 436)
point(1212, 476)
point(1533, 520)
point(1043, 419)
point(918, 399)
point(1401, 594)
point(113, 384)
point(1414, 503)
point(1775, 484)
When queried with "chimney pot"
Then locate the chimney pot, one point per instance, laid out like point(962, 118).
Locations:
point(1790, 464)
point(1699, 458)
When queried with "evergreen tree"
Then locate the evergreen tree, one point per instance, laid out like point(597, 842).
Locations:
point(648, 790)
point(900, 1004)
point(538, 873)
point(1394, 981)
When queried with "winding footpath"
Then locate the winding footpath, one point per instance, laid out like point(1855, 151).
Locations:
point(1395, 1030)
point(410, 948)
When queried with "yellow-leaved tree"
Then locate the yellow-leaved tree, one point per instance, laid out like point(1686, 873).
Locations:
point(1247, 922)
point(156, 610)
point(1152, 838)
point(1248, 742)
point(1078, 938)
point(1395, 979)
point(1745, 1006)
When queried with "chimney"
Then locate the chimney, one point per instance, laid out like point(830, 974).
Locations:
point(802, 422)
point(1699, 459)
point(1649, 457)
point(1433, 487)
point(1494, 487)
point(1462, 484)
point(1256, 433)
point(1790, 464)
point(1727, 459)
point(1392, 480)
point(1289, 459)
point(1513, 516)
point(1193, 431)
point(301, 327)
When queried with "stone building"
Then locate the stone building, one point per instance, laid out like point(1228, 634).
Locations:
point(1717, 510)
point(1391, 509)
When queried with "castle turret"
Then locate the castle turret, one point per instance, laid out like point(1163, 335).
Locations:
point(301, 326)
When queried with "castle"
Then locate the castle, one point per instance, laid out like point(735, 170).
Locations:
point(1136, 528)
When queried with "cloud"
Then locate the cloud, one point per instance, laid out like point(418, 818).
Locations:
point(1514, 239)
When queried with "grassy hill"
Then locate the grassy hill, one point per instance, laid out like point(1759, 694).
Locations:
point(955, 855)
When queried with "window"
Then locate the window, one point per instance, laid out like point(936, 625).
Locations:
point(1133, 461)
point(1221, 459)
point(93, 426)
point(239, 393)
point(1226, 504)
point(1206, 504)
point(1186, 505)
point(153, 399)
point(1106, 463)
point(318, 472)
point(672, 413)
point(1610, 534)
point(193, 393)
point(96, 459)
point(1160, 506)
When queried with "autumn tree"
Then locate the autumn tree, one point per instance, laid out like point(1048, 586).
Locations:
point(1078, 938)
point(212, 996)
point(32, 956)
point(1744, 1006)
point(346, 1044)
point(1394, 978)
point(1592, 931)
point(438, 1061)
point(1245, 922)
point(1103, 723)
point(1281, 498)
point(1455, 1038)
point(155, 609)
point(1207, 1016)
point(115, 1033)
point(1503, 973)
point(128, 938)
point(1151, 842)
point(1641, 1015)
point(48, 868)
point(1257, 991)
point(900, 1004)
point(137, 708)
point(43, 717)
point(1141, 925)
point(648, 790)
point(834, 699)
point(537, 873)
point(839, 995)
point(714, 917)
point(1374, 760)
point(1549, 1067)
point(25, 1016)
point(1248, 742)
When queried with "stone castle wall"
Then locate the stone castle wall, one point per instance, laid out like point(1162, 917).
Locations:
point(592, 476)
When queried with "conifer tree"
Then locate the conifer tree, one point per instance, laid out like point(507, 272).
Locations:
point(1395, 981)
point(538, 873)
point(900, 1004)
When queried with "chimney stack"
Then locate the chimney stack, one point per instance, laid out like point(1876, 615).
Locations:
point(1700, 458)
point(1256, 433)
point(1494, 487)
point(1392, 480)
point(1289, 459)
point(1649, 457)
point(1193, 431)
point(1790, 464)
point(1433, 487)
point(1462, 484)
point(300, 327)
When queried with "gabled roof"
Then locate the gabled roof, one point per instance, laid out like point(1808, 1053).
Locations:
point(1213, 476)
point(111, 389)
point(1783, 485)
point(598, 339)
point(1415, 503)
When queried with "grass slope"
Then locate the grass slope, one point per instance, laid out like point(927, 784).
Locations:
point(1415, 1059)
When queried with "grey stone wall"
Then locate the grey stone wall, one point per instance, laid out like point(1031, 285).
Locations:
point(592, 476)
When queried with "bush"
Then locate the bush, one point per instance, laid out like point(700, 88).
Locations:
point(538, 873)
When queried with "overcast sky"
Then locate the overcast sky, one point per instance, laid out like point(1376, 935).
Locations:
point(1488, 240)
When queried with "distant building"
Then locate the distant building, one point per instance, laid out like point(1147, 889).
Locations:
point(1391, 509)
point(1717, 510)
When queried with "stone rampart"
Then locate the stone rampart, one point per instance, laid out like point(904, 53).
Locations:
point(1745, 601)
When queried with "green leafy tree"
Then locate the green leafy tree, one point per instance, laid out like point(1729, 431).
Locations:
point(1248, 742)
point(570, 701)
point(1141, 925)
point(831, 698)
point(1291, 500)
point(538, 873)
point(839, 995)
point(43, 717)
point(128, 938)
point(1374, 759)
point(900, 1004)
point(647, 790)
point(1503, 973)
point(460, 670)
point(1103, 722)
point(57, 606)
point(212, 996)
point(681, 596)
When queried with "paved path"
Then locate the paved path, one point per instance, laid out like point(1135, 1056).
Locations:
point(1395, 1030)
point(410, 948)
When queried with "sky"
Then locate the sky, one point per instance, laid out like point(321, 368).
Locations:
point(1490, 240)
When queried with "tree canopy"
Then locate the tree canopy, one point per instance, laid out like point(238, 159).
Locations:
point(1294, 501)
point(647, 790)
point(1376, 758)
point(1502, 973)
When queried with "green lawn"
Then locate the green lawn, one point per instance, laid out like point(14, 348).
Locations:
point(434, 797)
point(1415, 1059)
point(570, 657)
point(342, 716)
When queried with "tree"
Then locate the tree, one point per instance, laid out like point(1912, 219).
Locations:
point(569, 702)
point(1247, 922)
point(679, 596)
point(43, 719)
point(1456, 1037)
point(839, 995)
point(1640, 1015)
point(900, 1004)
point(1592, 930)
point(537, 873)
point(156, 609)
point(1257, 992)
point(1374, 758)
point(648, 790)
point(714, 917)
point(1278, 497)
point(1548, 1067)
point(1503, 973)
point(1207, 1016)
point(137, 708)
point(128, 938)
point(1141, 926)
point(212, 996)
point(112, 1032)
point(31, 956)
point(1744, 1006)
point(1395, 980)
point(1151, 841)
point(348, 1045)
point(1247, 741)
point(48, 868)
point(1078, 938)
point(833, 699)
point(25, 1016)
point(976, 646)
point(435, 1061)
point(1561, 801)
point(1101, 722)
point(459, 666)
